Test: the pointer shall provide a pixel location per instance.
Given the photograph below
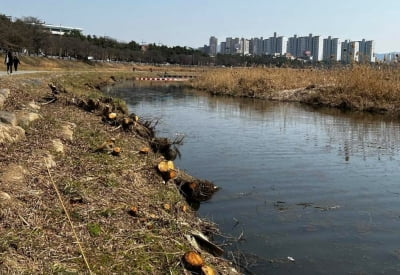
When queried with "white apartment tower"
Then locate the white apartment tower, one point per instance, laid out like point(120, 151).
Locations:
point(244, 46)
point(281, 45)
point(336, 53)
point(317, 48)
point(213, 46)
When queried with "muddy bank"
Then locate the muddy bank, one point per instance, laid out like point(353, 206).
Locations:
point(321, 97)
point(81, 174)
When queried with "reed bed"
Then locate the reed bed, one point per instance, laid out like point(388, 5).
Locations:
point(357, 87)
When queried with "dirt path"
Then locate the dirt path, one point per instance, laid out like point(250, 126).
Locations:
point(4, 73)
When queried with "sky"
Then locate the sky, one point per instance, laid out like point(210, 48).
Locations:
point(192, 22)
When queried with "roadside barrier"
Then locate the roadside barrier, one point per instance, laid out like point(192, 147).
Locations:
point(161, 79)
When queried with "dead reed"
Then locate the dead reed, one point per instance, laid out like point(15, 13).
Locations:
point(357, 87)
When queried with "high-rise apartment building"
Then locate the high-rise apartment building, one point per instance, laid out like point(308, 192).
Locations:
point(235, 46)
point(317, 48)
point(228, 45)
point(332, 49)
point(304, 46)
point(292, 45)
point(244, 46)
point(267, 48)
point(367, 51)
point(281, 45)
point(223, 48)
point(309, 47)
point(275, 45)
point(350, 51)
point(232, 46)
point(300, 46)
point(213, 46)
point(256, 46)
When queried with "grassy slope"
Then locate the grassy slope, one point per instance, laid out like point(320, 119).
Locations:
point(97, 189)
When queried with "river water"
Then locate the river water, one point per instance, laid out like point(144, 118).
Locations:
point(305, 191)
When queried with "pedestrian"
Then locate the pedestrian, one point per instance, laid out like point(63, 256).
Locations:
point(9, 62)
point(16, 62)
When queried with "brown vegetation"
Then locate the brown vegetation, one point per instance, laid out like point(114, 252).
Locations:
point(124, 218)
point(358, 87)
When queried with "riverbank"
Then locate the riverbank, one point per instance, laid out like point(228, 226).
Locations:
point(56, 175)
point(357, 88)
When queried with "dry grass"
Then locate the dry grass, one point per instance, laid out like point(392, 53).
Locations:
point(357, 87)
point(257, 80)
point(98, 191)
point(55, 64)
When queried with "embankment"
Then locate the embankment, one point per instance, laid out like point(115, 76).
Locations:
point(72, 202)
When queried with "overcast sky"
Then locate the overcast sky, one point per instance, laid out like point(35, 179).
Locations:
point(192, 22)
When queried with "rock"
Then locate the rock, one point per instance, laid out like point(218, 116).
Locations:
point(58, 146)
point(4, 196)
point(25, 118)
point(8, 118)
point(10, 134)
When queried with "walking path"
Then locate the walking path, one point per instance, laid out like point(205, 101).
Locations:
point(3, 73)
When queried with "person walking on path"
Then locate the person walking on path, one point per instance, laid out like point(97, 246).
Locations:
point(16, 62)
point(9, 62)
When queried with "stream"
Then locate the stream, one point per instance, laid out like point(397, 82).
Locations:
point(303, 190)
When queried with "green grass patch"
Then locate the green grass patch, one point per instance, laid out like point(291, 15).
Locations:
point(94, 229)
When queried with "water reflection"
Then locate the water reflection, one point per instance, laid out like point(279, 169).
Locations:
point(316, 185)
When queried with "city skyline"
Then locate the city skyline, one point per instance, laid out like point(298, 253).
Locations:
point(311, 47)
point(189, 23)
